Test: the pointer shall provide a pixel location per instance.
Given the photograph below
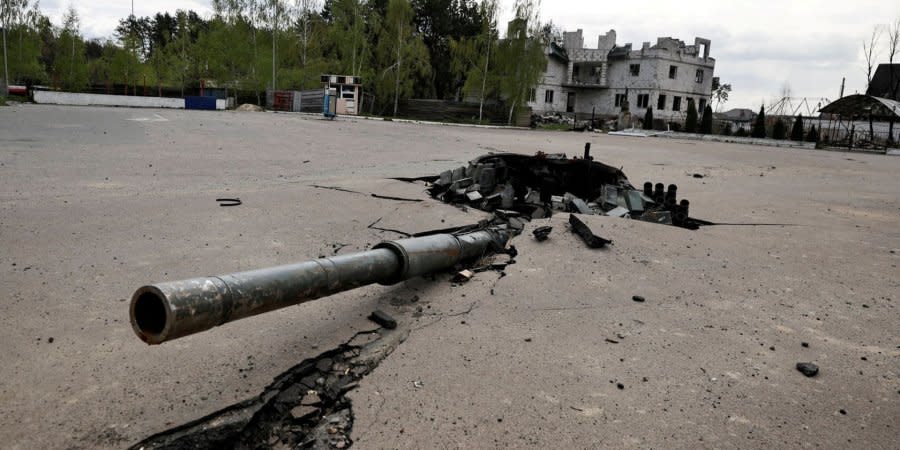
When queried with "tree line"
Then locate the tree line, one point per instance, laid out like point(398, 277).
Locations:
point(439, 49)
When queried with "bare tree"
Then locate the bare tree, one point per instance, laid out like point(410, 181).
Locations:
point(893, 31)
point(870, 53)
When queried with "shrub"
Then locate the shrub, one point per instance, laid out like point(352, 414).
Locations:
point(797, 130)
point(779, 131)
point(648, 119)
point(706, 124)
point(813, 135)
point(759, 126)
point(741, 132)
point(726, 130)
point(690, 124)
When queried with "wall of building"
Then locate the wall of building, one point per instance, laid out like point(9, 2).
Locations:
point(552, 80)
point(79, 99)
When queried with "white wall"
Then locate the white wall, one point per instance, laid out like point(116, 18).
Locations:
point(553, 79)
point(79, 99)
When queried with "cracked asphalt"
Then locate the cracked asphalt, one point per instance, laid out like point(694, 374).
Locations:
point(95, 202)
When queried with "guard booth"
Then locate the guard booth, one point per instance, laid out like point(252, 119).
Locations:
point(346, 91)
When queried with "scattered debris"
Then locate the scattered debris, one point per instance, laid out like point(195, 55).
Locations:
point(588, 236)
point(400, 199)
point(382, 318)
point(542, 233)
point(334, 188)
point(229, 201)
point(463, 276)
point(638, 298)
point(808, 369)
point(804, 344)
point(537, 186)
point(611, 341)
point(698, 175)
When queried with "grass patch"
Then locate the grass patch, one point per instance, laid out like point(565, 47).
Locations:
point(554, 127)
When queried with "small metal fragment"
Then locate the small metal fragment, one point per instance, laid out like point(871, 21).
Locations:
point(382, 318)
point(542, 233)
point(583, 231)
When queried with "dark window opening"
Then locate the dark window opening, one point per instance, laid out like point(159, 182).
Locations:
point(548, 96)
point(673, 72)
point(676, 104)
point(635, 70)
point(661, 102)
point(643, 100)
point(699, 77)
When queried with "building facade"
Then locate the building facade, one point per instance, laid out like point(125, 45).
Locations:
point(665, 77)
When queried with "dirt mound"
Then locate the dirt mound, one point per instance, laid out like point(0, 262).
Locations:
point(249, 107)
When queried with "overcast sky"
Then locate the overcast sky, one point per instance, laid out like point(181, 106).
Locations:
point(760, 46)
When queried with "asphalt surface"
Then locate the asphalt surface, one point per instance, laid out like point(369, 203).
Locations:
point(95, 202)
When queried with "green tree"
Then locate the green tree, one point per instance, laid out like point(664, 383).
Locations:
point(690, 123)
point(706, 123)
point(70, 65)
point(471, 57)
point(348, 36)
point(440, 22)
point(400, 54)
point(520, 57)
point(759, 125)
point(779, 130)
point(741, 132)
point(648, 119)
point(797, 129)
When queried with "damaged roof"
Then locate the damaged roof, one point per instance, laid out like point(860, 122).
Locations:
point(863, 105)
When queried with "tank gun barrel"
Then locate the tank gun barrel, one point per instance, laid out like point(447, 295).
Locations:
point(165, 311)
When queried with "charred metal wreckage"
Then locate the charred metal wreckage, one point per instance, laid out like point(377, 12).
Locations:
point(536, 186)
point(306, 406)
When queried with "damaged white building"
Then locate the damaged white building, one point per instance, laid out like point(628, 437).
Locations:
point(598, 80)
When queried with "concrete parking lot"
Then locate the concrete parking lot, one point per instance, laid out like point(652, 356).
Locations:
point(95, 202)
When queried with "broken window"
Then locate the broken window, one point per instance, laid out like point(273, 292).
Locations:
point(702, 104)
point(676, 104)
point(532, 95)
point(548, 96)
point(699, 77)
point(661, 102)
point(620, 99)
point(643, 100)
point(635, 70)
point(673, 72)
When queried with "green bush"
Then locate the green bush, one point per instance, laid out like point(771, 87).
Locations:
point(648, 119)
point(759, 126)
point(726, 130)
point(690, 124)
point(779, 131)
point(706, 124)
point(813, 135)
point(741, 132)
point(797, 130)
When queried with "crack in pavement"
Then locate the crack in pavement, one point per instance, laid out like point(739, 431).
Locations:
point(304, 406)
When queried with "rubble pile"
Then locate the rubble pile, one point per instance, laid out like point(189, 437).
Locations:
point(537, 186)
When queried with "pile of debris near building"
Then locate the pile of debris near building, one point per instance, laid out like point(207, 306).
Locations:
point(537, 186)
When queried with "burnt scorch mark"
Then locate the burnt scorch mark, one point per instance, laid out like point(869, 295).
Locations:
point(306, 406)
